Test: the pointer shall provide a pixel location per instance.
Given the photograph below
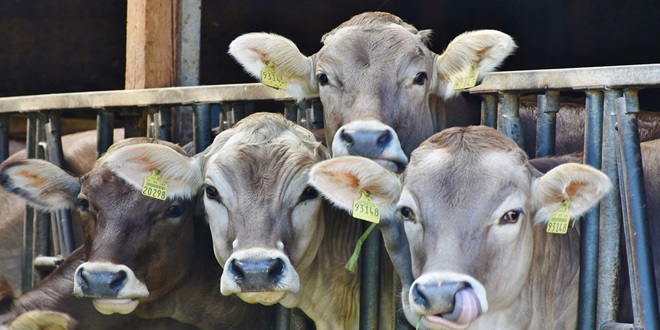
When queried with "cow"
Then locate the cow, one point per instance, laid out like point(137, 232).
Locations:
point(79, 157)
point(278, 241)
point(146, 252)
point(475, 213)
point(383, 90)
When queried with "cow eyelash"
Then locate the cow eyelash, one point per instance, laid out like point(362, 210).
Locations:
point(511, 217)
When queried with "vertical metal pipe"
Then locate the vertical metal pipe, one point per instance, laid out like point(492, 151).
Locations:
point(546, 125)
point(131, 118)
point(104, 131)
point(291, 111)
point(489, 110)
point(164, 122)
point(608, 261)
point(315, 118)
point(201, 127)
point(589, 226)
point(237, 112)
point(4, 136)
point(41, 221)
point(370, 279)
point(509, 120)
point(639, 245)
point(282, 318)
point(28, 224)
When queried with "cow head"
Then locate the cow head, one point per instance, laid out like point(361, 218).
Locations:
point(377, 79)
point(469, 204)
point(266, 222)
point(135, 245)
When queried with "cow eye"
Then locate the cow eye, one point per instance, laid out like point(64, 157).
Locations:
point(420, 78)
point(83, 203)
point(407, 213)
point(510, 217)
point(322, 78)
point(308, 193)
point(174, 211)
point(211, 192)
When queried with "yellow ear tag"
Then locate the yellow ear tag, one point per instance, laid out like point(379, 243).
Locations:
point(365, 209)
point(559, 220)
point(271, 79)
point(469, 81)
point(154, 186)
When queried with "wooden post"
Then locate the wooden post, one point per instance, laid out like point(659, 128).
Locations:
point(153, 32)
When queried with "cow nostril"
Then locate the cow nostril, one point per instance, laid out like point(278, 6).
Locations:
point(275, 269)
point(346, 137)
point(236, 268)
point(117, 279)
point(384, 138)
point(419, 297)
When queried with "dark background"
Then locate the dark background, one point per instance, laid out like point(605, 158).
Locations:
point(79, 45)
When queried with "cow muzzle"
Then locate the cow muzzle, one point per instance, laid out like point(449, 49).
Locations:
point(259, 276)
point(113, 288)
point(447, 300)
point(371, 139)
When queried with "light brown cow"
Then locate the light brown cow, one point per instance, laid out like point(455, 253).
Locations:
point(79, 157)
point(475, 214)
point(383, 90)
point(277, 239)
point(147, 256)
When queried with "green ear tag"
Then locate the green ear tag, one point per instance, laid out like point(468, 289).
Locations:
point(271, 79)
point(365, 209)
point(559, 220)
point(470, 80)
point(154, 186)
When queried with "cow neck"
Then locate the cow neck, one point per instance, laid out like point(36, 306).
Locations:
point(329, 293)
point(554, 275)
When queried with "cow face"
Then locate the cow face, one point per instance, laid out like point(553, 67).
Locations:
point(135, 245)
point(377, 80)
point(469, 204)
point(266, 222)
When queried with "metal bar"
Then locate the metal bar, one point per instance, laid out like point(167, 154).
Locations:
point(370, 279)
point(546, 125)
point(282, 318)
point(291, 111)
point(4, 137)
point(609, 262)
point(236, 113)
point(131, 117)
point(47, 263)
point(28, 224)
point(509, 120)
point(618, 326)
point(489, 110)
point(588, 302)
point(201, 128)
point(633, 177)
point(104, 129)
point(164, 120)
point(570, 79)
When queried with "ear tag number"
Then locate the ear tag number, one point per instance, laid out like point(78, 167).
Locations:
point(271, 79)
point(154, 186)
point(365, 209)
point(559, 220)
point(470, 80)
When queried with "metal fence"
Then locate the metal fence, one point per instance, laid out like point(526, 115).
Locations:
point(611, 100)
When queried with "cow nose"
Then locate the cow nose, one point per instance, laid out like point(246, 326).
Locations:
point(257, 275)
point(100, 284)
point(366, 143)
point(437, 299)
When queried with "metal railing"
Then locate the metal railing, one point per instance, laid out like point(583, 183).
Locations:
point(611, 97)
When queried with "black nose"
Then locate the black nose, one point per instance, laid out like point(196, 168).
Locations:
point(100, 284)
point(257, 275)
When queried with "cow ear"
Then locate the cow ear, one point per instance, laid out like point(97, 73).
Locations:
point(41, 184)
point(581, 185)
point(343, 179)
point(485, 48)
point(135, 163)
point(255, 51)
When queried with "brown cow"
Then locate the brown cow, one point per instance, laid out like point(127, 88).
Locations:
point(142, 255)
point(475, 214)
point(383, 90)
point(278, 241)
point(79, 157)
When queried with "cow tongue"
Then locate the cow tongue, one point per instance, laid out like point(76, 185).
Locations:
point(466, 309)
